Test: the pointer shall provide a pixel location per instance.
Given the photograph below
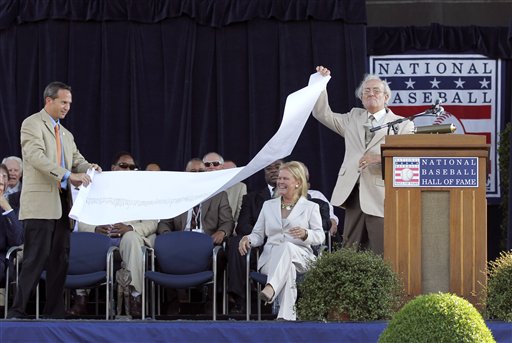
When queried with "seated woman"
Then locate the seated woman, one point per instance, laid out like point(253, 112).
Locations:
point(11, 232)
point(292, 224)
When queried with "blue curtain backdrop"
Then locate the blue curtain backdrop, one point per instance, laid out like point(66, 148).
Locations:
point(171, 80)
point(494, 42)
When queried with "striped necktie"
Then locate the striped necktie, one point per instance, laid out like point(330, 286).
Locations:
point(368, 134)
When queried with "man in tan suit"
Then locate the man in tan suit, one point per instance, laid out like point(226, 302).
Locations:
point(360, 187)
point(48, 176)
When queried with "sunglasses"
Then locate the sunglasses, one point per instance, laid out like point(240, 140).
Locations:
point(212, 164)
point(125, 165)
point(197, 170)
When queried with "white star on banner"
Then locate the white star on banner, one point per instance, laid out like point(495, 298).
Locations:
point(459, 83)
point(435, 83)
point(410, 83)
point(484, 83)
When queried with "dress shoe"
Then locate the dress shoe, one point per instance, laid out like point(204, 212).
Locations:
point(136, 306)
point(79, 307)
point(267, 294)
point(16, 315)
point(236, 304)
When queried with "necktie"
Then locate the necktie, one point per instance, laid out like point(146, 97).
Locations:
point(58, 144)
point(368, 135)
point(274, 192)
point(194, 221)
point(59, 150)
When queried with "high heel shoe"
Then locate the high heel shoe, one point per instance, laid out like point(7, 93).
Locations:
point(267, 294)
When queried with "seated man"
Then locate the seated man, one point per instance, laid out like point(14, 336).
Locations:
point(212, 217)
point(11, 233)
point(12, 195)
point(129, 237)
point(15, 166)
point(214, 161)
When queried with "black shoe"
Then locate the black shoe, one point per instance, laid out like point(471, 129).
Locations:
point(79, 307)
point(136, 306)
point(236, 304)
point(13, 314)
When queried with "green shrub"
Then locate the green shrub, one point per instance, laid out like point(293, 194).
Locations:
point(437, 317)
point(499, 288)
point(349, 285)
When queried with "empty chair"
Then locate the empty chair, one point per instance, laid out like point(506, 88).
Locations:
point(186, 259)
point(91, 265)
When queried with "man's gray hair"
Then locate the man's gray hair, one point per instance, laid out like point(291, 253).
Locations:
point(221, 159)
point(370, 77)
point(16, 159)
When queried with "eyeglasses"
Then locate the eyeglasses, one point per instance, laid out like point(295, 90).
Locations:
point(197, 170)
point(376, 91)
point(124, 165)
point(212, 164)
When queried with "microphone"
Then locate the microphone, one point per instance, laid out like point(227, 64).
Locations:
point(436, 109)
point(444, 128)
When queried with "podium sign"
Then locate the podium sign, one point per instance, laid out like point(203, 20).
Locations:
point(435, 172)
point(435, 212)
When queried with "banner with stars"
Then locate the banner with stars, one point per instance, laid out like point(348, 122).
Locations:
point(468, 87)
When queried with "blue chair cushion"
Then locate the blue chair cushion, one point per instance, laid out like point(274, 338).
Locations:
point(83, 280)
point(180, 281)
point(259, 277)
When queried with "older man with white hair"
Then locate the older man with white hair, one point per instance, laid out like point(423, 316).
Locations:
point(15, 166)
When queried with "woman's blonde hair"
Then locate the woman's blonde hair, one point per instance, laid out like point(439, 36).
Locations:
point(297, 170)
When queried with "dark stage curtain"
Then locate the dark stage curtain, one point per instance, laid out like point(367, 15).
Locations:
point(494, 42)
point(171, 80)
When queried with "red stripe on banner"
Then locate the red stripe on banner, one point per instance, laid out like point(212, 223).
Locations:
point(461, 112)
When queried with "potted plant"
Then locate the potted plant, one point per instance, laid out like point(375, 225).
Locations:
point(349, 285)
point(437, 317)
point(499, 288)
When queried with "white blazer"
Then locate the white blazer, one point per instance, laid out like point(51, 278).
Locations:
point(270, 224)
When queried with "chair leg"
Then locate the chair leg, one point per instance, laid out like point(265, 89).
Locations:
point(37, 301)
point(259, 302)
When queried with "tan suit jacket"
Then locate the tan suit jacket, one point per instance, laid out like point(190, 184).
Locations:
point(235, 196)
point(41, 174)
point(351, 127)
point(215, 216)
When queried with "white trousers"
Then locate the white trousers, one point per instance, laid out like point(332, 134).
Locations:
point(285, 261)
point(131, 254)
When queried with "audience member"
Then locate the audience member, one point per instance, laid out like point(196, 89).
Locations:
point(11, 234)
point(13, 198)
point(360, 187)
point(14, 165)
point(214, 161)
point(153, 167)
point(130, 237)
point(228, 164)
point(213, 216)
point(289, 237)
point(251, 207)
point(51, 161)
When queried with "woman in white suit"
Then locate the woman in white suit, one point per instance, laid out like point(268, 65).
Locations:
point(292, 224)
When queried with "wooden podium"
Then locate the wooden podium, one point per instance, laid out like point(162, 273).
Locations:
point(435, 216)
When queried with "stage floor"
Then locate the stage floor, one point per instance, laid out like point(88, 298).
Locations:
point(202, 331)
